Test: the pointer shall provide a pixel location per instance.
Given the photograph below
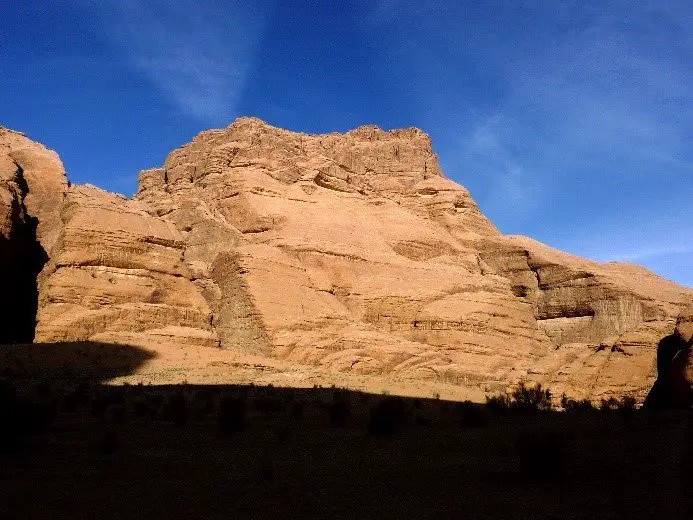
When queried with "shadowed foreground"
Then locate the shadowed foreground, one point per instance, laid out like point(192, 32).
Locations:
point(264, 452)
point(73, 360)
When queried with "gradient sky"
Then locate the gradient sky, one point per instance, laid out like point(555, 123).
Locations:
point(569, 121)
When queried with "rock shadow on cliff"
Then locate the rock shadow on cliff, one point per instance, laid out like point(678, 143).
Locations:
point(672, 388)
point(95, 361)
point(22, 258)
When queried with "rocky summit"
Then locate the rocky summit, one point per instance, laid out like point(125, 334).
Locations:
point(349, 256)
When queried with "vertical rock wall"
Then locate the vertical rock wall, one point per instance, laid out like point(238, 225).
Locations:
point(32, 187)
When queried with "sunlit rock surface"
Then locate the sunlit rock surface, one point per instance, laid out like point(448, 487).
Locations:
point(348, 254)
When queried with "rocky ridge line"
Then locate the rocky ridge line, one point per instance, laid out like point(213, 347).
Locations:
point(348, 253)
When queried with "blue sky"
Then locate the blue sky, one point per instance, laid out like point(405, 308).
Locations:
point(570, 121)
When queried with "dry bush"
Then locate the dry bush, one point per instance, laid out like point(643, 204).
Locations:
point(530, 398)
point(576, 405)
point(498, 404)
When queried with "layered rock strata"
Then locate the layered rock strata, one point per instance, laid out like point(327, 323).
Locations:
point(348, 253)
point(117, 274)
point(354, 252)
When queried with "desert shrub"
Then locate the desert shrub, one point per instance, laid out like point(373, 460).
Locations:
point(156, 403)
point(339, 410)
point(176, 409)
point(541, 455)
point(499, 404)
point(530, 398)
point(444, 407)
point(576, 405)
point(387, 416)
point(625, 405)
point(75, 398)
point(608, 405)
point(470, 414)
point(231, 416)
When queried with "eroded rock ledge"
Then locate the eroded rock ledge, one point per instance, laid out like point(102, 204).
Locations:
point(348, 252)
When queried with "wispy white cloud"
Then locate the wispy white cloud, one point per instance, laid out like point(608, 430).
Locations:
point(198, 53)
point(489, 151)
point(569, 121)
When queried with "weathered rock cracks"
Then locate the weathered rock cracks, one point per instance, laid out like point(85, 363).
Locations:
point(347, 252)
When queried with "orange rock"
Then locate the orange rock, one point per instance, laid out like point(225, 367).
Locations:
point(342, 254)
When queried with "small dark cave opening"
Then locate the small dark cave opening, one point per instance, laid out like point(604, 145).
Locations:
point(21, 259)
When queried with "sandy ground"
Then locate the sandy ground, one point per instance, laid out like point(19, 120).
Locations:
point(176, 364)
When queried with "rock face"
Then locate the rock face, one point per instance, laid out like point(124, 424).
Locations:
point(353, 252)
point(674, 385)
point(117, 274)
point(605, 319)
point(349, 253)
point(32, 186)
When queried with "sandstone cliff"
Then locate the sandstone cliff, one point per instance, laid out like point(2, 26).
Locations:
point(32, 186)
point(348, 253)
point(351, 252)
point(355, 253)
point(116, 274)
